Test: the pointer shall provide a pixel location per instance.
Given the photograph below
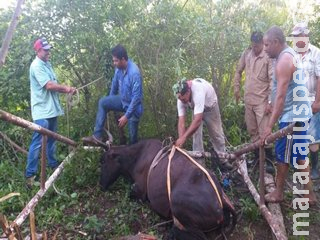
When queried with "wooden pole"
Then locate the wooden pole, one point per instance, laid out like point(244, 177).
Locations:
point(26, 124)
point(261, 173)
point(272, 221)
point(34, 201)
point(32, 226)
point(9, 34)
point(43, 161)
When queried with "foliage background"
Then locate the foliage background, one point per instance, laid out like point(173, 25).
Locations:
point(167, 39)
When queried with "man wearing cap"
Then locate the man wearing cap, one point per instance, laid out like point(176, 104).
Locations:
point(310, 56)
point(125, 96)
point(199, 95)
point(45, 106)
point(257, 88)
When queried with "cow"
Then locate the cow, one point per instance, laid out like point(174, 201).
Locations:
point(196, 204)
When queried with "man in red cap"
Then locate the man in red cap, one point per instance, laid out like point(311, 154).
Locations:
point(45, 106)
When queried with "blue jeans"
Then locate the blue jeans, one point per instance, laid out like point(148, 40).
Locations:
point(113, 103)
point(35, 147)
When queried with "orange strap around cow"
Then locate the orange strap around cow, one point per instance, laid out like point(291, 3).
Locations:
point(173, 149)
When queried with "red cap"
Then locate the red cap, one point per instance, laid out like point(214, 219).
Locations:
point(41, 43)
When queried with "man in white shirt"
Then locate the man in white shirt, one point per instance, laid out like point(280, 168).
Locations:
point(199, 95)
point(310, 56)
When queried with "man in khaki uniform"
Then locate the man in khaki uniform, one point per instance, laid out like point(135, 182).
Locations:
point(257, 87)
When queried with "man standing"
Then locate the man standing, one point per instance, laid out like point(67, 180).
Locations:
point(290, 104)
point(45, 106)
point(310, 56)
point(125, 96)
point(258, 70)
point(199, 95)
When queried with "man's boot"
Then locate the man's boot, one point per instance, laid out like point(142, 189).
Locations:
point(269, 161)
point(314, 165)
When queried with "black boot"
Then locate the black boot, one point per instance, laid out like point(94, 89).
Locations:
point(314, 165)
point(269, 161)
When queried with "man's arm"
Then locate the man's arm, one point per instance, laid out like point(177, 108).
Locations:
point(52, 86)
point(136, 99)
point(316, 104)
point(181, 125)
point(284, 71)
point(136, 95)
point(114, 84)
point(238, 75)
point(268, 108)
point(197, 119)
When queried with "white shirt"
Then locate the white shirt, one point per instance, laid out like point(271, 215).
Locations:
point(203, 98)
point(311, 65)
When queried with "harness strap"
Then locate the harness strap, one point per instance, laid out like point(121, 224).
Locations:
point(197, 164)
point(162, 152)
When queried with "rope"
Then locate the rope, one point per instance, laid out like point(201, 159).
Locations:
point(70, 102)
point(197, 164)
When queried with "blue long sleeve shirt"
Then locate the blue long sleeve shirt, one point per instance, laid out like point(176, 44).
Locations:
point(128, 83)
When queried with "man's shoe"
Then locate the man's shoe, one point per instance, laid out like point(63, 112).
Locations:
point(31, 181)
point(94, 141)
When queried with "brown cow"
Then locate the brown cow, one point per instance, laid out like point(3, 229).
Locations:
point(194, 206)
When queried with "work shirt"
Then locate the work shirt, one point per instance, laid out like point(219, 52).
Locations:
point(203, 98)
point(44, 103)
point(297, 106)
point(258, 69)
point(311, 64)
point(128, 83)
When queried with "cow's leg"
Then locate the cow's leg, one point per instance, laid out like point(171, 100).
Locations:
point(188, 234)
point(138, 192)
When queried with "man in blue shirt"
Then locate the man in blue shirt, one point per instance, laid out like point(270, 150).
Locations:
point(125, 96)
point(45, 106)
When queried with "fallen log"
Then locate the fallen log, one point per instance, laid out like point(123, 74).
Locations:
point(272, 221)
point(247, 147)
point(274, 208)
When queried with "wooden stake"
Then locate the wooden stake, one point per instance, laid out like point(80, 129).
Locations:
point(273, 223)
point(33, 226)
point(262, 157)
point(43, 161)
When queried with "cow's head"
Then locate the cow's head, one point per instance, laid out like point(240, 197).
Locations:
point(110, 169)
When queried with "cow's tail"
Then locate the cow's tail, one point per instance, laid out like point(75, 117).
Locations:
point(229, 212)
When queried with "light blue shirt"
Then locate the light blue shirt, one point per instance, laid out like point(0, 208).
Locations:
point(44, 103)
point(297, 106)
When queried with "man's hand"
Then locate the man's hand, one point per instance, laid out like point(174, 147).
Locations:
point(267, 132)
point(268, 108)
point(122, 121)
point(71, 90)
point(315, 107)
point(180, 141)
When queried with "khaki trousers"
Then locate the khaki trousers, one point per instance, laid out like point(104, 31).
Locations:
point(256, 120)
point(212, 119)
